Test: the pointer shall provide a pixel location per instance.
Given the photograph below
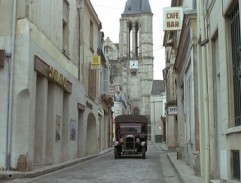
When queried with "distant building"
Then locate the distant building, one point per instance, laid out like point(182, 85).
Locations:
point(157, 102)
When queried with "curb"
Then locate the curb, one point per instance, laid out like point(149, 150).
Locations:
point(178, 173)
point(41, 171)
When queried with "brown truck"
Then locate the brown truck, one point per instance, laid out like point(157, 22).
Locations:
point(130, 136)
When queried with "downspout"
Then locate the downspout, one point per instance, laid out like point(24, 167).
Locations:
point(200, 110)
point(10, 94)
point(79, 31)
point(204, 41)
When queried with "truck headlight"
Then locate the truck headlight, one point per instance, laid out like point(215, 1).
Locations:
point(116, 143)
point(143, 143)
point(121, 140)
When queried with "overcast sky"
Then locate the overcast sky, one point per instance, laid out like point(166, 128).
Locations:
point(109, 13)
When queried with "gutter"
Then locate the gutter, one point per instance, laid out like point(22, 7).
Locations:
point(10, 93)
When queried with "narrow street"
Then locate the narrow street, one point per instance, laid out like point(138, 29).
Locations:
point(155, 168)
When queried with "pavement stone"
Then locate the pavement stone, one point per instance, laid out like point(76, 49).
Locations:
point(185, 172)
point(41, 171)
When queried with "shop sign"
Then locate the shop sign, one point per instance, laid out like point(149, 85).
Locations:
point(172, 18)
point(95, 62)
point(52, 74)
point(172, 110)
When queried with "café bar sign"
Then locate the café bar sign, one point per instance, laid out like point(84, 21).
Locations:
point(172, 18)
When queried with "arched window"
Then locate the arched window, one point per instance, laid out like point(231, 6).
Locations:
point(133, 39)
point(137, 39)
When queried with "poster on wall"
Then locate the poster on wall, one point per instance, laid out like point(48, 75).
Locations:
point(58, 128)
point(73, 129)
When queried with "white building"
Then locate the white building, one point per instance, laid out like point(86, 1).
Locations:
point(157, 103)
point(51, 110)
point(209, 128)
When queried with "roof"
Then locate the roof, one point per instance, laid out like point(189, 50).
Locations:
point(137, 6)
point(126, 118)
point(158, 86)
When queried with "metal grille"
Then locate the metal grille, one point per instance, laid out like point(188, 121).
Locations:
point(236, 165)
point(130, 143)
point(236, 57)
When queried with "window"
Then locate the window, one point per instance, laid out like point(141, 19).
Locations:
point(235, 41)
point(65, 28)
point(134, 39)
point(194, 4)
point(91, 36)
point(92, 83)
point(137, 40)
point(104, 81)
point(235, 164)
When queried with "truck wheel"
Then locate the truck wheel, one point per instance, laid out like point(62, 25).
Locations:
point(115, 153)
point(143, 153)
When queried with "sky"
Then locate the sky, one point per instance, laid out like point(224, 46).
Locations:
point(109, 13)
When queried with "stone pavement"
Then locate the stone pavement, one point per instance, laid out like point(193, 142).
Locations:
point(185, 173)
point(4, 175)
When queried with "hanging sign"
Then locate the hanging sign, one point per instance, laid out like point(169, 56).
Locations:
point(172, 18)
point(95, 62)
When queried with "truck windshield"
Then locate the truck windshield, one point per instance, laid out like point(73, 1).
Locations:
point(130, 128)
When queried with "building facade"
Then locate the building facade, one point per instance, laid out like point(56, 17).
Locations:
point(51, 106)
point(158, 102)
point(170, 122)
point(131, 60)
point(212, 38)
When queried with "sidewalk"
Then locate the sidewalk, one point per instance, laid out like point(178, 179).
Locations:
point(185, 173)
point(41, 171)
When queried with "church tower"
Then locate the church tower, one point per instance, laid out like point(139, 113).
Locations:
point(136, 54)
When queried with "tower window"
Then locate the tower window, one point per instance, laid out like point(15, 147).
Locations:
point(134, 40)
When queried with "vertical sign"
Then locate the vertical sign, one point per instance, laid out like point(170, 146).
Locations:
point(95, 62)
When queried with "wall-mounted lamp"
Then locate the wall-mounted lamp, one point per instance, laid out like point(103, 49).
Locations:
point(169, 42)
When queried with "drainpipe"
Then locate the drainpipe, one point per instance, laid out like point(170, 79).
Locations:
point(10, 93)
point(204, 50)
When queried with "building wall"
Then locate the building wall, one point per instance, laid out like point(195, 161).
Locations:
point(222, 137)
point(157, 111)
point(52, 112)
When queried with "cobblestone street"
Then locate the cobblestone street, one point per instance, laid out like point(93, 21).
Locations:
point(155, 168)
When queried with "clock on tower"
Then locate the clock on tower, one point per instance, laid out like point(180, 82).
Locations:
point(133, 64)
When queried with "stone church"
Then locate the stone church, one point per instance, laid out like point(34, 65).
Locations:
point(131, 60)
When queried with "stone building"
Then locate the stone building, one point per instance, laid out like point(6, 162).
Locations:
point(132, 66)
point(212, 64)
point(157, 102)
point(52, 107)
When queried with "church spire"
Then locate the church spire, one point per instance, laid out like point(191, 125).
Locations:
point(137, 6)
